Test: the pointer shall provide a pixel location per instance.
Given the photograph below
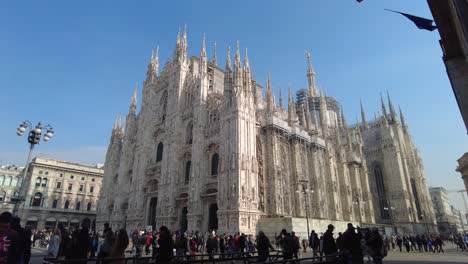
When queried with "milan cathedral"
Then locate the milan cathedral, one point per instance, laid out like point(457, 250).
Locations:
point(212, 149)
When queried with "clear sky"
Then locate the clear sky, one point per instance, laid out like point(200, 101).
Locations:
point(74, 65)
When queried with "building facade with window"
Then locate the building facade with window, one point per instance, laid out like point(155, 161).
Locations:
point(60, 192)
point(211, 149)
point(11, 178)
point(446, 221)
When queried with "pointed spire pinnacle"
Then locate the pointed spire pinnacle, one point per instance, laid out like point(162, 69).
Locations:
point(363, 115)
point(178, 37)
point(291, 108)
point(402, 117)
point(384, 110)
point(390, 105)
point(228, 59)
point(116, 123)
point(246, 60)
point(269, 94)
point(215, 60)
point(307, 115)
point(311, 77)
point(203, 51)
point(302, 115)
point(281, 102)
point(184, 37)
point(316, 120)
point(237, 59)
point(343, 119)
point(133, 104)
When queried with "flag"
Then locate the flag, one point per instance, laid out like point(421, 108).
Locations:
point(420, 22)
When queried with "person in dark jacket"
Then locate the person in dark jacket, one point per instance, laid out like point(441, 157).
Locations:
point(24, 240)
point(83, 243)
point(375, 244)
point(241, 242)
point(287, 244)
point(211, 245)
point(263, 247)
point(222, 245)
point(296, 245)
point(339, 242)
point(166, 245)
point(329, 245)
point(314, 242)
point(351, 245)
point(9, 240)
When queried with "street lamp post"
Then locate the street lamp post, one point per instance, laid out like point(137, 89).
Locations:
point(305, 191)
point(34, 137)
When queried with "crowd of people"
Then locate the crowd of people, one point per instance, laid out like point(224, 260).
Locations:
point(354, 244)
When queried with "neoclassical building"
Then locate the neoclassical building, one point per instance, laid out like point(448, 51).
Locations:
point(58, 192)
point(211, 148)
point(11, 178)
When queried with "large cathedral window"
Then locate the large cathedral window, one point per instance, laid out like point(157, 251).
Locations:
point(159, 152)
point(189, 138)
point(416, 199)
point(381, 195)
point(163, 103)
point(188, 167)
point(214, 164)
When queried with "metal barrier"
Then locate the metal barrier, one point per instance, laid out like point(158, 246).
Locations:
point(275, 257)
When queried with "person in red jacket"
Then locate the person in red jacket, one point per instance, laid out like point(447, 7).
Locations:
point(148, 243)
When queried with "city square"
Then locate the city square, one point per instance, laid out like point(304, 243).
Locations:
point(235, 144)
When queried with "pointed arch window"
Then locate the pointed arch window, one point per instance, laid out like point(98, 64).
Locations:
point(189, 138)
point(416, 199)
point(381, 194)
point(67, 204)
point(38, 181)
point(88, 207)
point(188, 167)
point(159, 152)
point(2, 179)
point(163, 103)
point(78, 205)
point(214, 164)
point(37, 199)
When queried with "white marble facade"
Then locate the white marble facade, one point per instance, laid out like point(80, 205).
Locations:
point(211, 148)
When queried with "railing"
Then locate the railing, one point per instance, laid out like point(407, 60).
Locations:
point(275, 257)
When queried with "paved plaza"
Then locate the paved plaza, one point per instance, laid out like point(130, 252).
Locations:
point(451, 255)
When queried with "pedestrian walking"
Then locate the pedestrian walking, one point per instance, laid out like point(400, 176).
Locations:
point(54, 245)
point(119, 246)
point(350, 246)
point(263, 247)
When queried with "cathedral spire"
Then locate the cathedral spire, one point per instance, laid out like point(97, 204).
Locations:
point(153, 66)
point(228, 60)
point(133, 104)
point(302, 118)
point(246, 60)
point(317, 127)
point(177, 46)
point(307, 115)
point(392, 110)
point(281, 102)
point(203, 58)
point(402, 117)
point(343, 119)
point(311, 76)
point(269, 95)
point(363, 116)
point(203, 51)
point(384, 110)
point(116, 123)
point(238, 74)
point(215, 60)
point(291, 108)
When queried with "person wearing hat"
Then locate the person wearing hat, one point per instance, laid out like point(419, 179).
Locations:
point(329, 245)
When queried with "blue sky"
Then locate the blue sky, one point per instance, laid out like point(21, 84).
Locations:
point(74, 65)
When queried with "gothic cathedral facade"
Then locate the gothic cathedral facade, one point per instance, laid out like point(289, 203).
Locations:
point(211, 148)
